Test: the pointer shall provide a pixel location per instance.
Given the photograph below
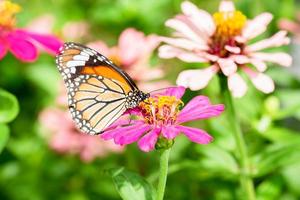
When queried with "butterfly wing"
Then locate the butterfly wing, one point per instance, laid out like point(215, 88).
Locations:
point(97, 89)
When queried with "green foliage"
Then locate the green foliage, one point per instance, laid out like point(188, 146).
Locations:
point(9, 107)
point(4, 135)
point(29, 169)
point(131, 186)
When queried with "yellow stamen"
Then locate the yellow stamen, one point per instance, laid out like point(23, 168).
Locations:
point(8, 10)
point(161, 108)
point(229, 24)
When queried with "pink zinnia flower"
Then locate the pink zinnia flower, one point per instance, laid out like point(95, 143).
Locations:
point(20, 42)
point(65, 138)
point(75, 30)
point(292, 26)
point(160, 118)
point(132, 54)
point(223, 41)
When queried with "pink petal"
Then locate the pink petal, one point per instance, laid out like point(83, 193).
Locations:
point(290, 26)
point(199, 108)
point(276, 40)
point(170, 132)
point(129, 136)
point(200, 18)
point(143, 72)
point(3, 50)
point(226, 6)
point(148, 141)
point(184, 43)
point(42, 24)
point(75, 30)
point(280, 58)
point(227, 66)
point(100, 46)
point(22, 48)
point(261, 81)
point(177, 91)
point(167, 51)
point(124, 120)
point(49, 42)
point(134, 44)
point(257, 26)
point(196, 79)
point(195, 135)
point(113, 131)
point(150, 86)
point(237, 85)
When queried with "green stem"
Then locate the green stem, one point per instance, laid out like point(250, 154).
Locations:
point(245, 168)
point(163, 173)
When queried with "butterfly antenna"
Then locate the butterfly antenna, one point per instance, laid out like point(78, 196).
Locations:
point(161, 89)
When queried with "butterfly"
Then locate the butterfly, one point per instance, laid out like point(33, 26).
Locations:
point(99, 92)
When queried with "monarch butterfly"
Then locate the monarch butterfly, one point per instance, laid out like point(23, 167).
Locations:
point(98, 91)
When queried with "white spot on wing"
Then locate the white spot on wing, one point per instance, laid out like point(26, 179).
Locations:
point(74, 63)
point(80, 57)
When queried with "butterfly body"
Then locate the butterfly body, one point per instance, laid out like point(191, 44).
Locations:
point(98, 91)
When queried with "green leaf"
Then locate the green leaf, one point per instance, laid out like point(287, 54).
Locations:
point(290, 100)
point(281, 135)
point(270, 188)
point(4, 135)
point(291, 176)
point(218, 160)
point(34, 74)
point(275, 157)
point(9, 106)
point(131, 186)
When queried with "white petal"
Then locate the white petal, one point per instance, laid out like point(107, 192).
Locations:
point(257, 26)
point(226, 6)
point(240, 59)
point(237, 85)
point(202, 19)
point(167, 51)
point(263, 83)
point(280, 58)
point(259, 64)
point(276, 40)
point(184, 43)
point(184, 29)
point(196, 79)
point(232, 49)
point(227, 66)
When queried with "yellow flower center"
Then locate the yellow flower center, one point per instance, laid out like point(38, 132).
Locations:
point(229, 24)
point(8, 10)
point(161, 109)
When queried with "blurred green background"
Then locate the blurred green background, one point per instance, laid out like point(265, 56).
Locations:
point(29, 169)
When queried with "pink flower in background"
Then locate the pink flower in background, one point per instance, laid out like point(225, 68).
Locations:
point(65, 138)
point(132, 54)
point(222, 40)
point(75, 30)
point(20, 42)
point(292, 26)
point(160, 117)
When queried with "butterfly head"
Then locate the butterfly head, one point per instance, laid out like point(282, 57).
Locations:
point(135, 97)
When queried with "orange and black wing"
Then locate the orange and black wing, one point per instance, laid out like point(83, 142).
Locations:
point(97, 89)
